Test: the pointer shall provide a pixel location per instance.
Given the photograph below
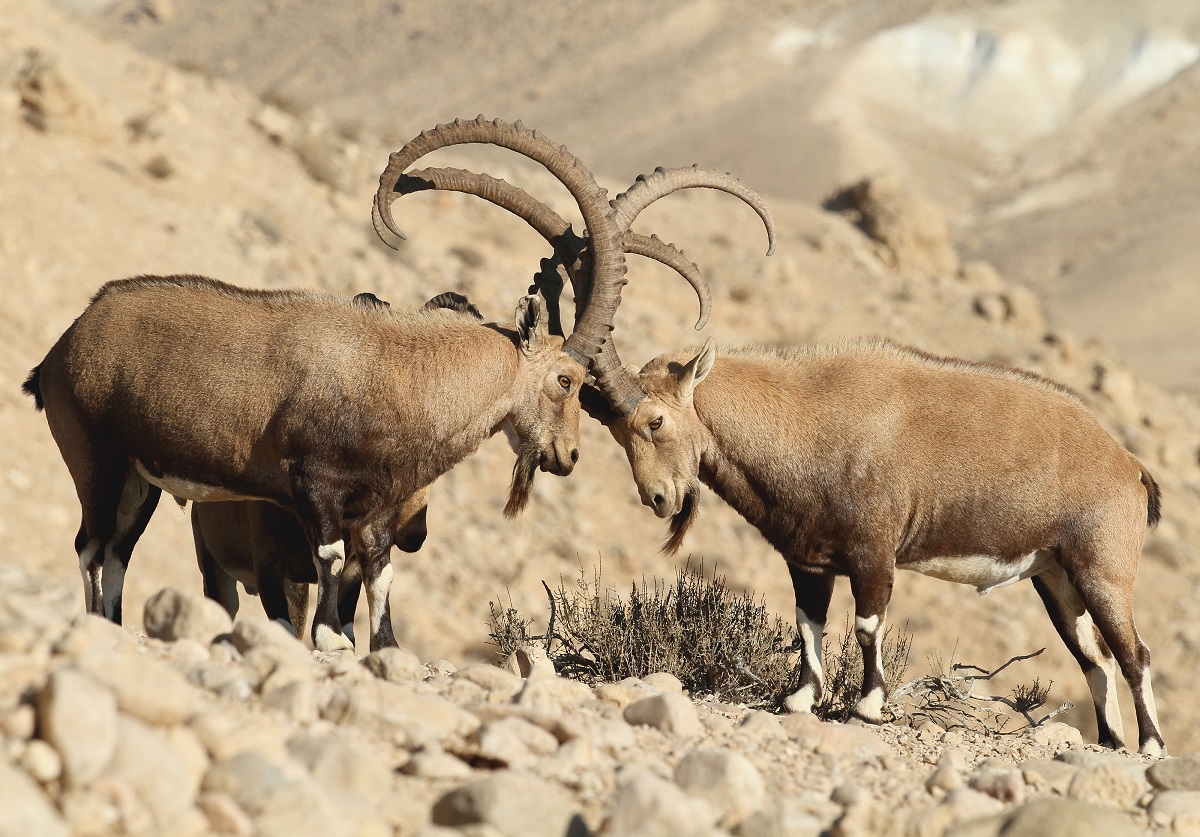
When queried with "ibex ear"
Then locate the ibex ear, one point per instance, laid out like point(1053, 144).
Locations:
point(696, 369)
point(531, 323)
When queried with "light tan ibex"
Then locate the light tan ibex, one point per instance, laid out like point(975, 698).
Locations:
point(213, 392)
point(862, 458)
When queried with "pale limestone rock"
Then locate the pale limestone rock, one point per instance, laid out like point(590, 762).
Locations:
point(144, 688)
point(1056, 736)
point(727, 780)
point(620, 694)
point(1049, 817)
point(516, 804)
point(92, 632)
point(412, 720)
point(1182, 773)
point(395, 665)
point(498, 682)
point(1005, 785)
point(172, 614)
point(78, 716)
point(246, 778)
point(664, 682)
point(224, 815)
point(24, 809)
point(515, 742)
point(1106, 784)
point(673, 714)
point(645, 805)
point(343, 764)
point(763, 725)
point(42, 761)
point(156, 771)
point(298, 700)
point(435, 763)
point(1177, 809)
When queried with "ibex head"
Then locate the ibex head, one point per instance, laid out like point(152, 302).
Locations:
point(663, 437)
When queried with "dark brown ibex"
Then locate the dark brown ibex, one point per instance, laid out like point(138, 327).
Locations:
point(213, 392)
point(262, 545)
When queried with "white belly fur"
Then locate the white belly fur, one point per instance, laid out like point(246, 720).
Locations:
point(984, 572)
point(186, 489)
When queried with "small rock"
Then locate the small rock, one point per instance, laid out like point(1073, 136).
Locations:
point(1004, 785)
point(664, 682)
point(255, 632)
point(437, 668)
point(91, 632)
point(342, 764)
point(143, 687)
point(1050, 818)
point(1106, 785)
point(298, 700)
point(620, 694)
point(762, 724)
point(172, 614)
point(673, 714)
point(522, 661)
point(515, 742)
point(156, 771)
point(496, 681)
point(78, 716)
point(647, 806)
point(845, 740)
point(551, 693)
point(727, 780)
point(515, 804)
point(246, 778)
point(1178, 809)
point(24, 809)
point(1057, 774)
point(412, 720)
point(948, 775)
point(42, 761)
point(224, 815)
point(395, 665)
point(435, 763)
point(1056, 736)
point(1182, 773)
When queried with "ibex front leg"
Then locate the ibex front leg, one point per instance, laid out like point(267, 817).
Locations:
point(323, 528)
point(813, 589)
point(871, 578)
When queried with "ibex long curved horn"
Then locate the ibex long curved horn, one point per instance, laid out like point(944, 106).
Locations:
point(661, 182)
point(587, 342)
point(568, 246)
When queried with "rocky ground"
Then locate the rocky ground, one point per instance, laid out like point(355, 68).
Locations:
point(199, 726)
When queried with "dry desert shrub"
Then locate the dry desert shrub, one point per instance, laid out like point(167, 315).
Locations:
point(717, 641)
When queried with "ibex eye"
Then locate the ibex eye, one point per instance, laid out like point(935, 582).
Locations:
point(564, 382)
point(657, 423)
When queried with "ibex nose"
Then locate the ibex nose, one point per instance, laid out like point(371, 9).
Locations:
point(656, 498)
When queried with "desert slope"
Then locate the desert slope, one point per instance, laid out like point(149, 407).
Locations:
point(115, 163)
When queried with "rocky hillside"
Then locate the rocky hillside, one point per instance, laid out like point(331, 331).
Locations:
point(115, 163)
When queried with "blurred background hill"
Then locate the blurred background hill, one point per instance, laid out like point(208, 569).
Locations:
point(1030, 176)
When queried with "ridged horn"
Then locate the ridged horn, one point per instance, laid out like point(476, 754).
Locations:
point(661, 182)
point(608, 258)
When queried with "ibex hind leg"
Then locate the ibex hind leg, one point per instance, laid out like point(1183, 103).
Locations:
point(1074, 624)
point(98, 483)
point(1105, 584)
point(138, 500)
